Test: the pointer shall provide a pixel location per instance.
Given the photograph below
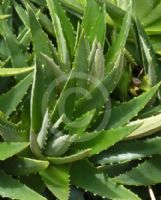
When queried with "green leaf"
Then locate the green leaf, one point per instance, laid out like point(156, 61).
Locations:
point(77, 79)
point(17, 57)
point(148, 57)
point(74, 6)
point(4, 72)
point(39, 2)
point(65, 102)
point(98, 68)
point(12, 188)
point(24, 41)
point(3, 17)
point(14, 96)
point(9, 131)
point(147, 112)
point(80, 63)
point(131, 108)
point(94, 23)
point(85, 176)
point(38, 35)
point(119, 43)
point(100, 94)
point(57, 181)
point(43, 133)
point(140, 175)
point(22, 14)
point(24, 166)
point(61, 40)
point(57, 72)
point(154, 29)
point(115, 13)
point(126, 151)
point(79, 125)
point(43, 19)
point(36, 114)
point(153, 15)
point(66, 25)
point(36, 97)
point(9, 149)
point(142, 8)
point(58, 146)
point(105, 139)
point(148, 126)
point(71, 158)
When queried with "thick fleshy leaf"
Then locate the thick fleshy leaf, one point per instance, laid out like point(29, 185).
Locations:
point(71, 158)
point(85, 176)
point(105, 139)
point(14, 96)
point(140, 175)
point(4, 72)
point(147, 55)
point(130, 109)
point(142, 8)
point(119, 44)
point(12, 188)
point(58, 146)
point(77, 80)
point(94, 23)
point(55, 13)
point(24, 166)
point(57, 181)
point(100, 94)
point(36, 97)
point(36, 114)
point(2, 17)
point(65, 23)
point(126, 151)
point(149, 126)
point(17, 57)
point(80, 124)
point(38, 35)
point(22, 14)
point(11, 132)
point(9, 149)
point(43, 133)
point(152, 16)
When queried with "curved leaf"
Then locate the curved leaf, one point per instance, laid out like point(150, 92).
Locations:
point(4, 72)
point(79, 125)
point(105, 139)
point(94, 23)
point(85, 176)
point(38, 35)
point(119, 44)
point(131, 108)
point(148, 126)
point(61, 40)
point(152, 16)
point(12, 188)
point(71, 158)
point(9, 149)
point(68, 29)
point(43, 133)
point(126, 151)
point(57, 181)
point(146, 173)
point(14, 96)
point(24, 166)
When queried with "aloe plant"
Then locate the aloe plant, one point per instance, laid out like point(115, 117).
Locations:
point(79, 90)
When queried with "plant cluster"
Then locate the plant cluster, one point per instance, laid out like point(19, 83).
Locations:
point(80, 112)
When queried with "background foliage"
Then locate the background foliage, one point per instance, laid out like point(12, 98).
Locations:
point(80, 99)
